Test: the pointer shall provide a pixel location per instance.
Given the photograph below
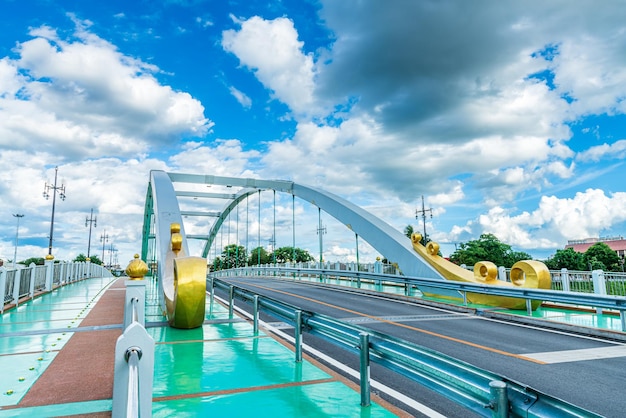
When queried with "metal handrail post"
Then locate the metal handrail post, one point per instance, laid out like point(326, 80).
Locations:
point(365, 368)
point(499, 403)
point(255, 314)
point(231, 301)
point(298, 335)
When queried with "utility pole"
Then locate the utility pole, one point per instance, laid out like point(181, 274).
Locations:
point(61, 189)
point(92, 222)
point(422, 213)
point(17, 235)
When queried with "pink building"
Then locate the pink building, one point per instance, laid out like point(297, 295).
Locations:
point(617, 244)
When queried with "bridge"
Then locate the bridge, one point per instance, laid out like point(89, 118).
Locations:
point(77, 340)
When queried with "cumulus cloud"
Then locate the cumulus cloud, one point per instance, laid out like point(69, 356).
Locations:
point(616, 150)
point(86, 97)
point(271, 49)
point(556, 220)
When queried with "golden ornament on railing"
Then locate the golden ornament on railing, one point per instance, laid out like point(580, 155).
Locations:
point(137, 269)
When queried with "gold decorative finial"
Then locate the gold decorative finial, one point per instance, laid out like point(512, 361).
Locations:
point(177, 238)
point(136, 269)
point(49, 257)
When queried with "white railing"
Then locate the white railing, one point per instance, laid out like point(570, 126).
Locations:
point(20, 283)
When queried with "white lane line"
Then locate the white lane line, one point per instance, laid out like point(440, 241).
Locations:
point(579, 355)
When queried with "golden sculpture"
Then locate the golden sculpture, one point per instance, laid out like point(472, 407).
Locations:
point(528, 273)
point(136, 269)
point(184, 286)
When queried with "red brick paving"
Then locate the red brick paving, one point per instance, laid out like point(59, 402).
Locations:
point(83, 369)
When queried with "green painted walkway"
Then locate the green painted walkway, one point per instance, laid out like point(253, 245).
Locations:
point(220, 369)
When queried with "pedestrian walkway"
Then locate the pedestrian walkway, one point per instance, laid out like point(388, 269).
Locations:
point(57, 354)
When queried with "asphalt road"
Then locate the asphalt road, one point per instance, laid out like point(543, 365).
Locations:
point(547, 360)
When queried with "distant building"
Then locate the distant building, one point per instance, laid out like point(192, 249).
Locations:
point(617, 244)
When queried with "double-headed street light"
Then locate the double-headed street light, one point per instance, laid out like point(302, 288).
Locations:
point(17, 235)
point(61, 189)
point(104, 238)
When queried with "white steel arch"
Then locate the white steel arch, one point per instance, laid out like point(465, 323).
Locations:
point(380, 235)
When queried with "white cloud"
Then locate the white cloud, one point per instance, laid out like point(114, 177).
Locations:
point(272, 50)
point(555, 221)
point(616, 150)
point(88, 99)
point(243, 99)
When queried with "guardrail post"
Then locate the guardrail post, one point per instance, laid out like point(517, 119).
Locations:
point(255, 315)
point(599, 285)
point(3, 286)
point(31, 284)
point(622, 317)
point(231, 301)
point(134, 337)
point(298, 335)
point(49, 274)
point(499, 403)
point(565, 279)
point(210, 286)
point(135, 289)
point(502, 274)
point(365, 368)
point(16, 286)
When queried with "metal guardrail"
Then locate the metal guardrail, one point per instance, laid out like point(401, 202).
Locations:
point(483, 392)
point(593, 300)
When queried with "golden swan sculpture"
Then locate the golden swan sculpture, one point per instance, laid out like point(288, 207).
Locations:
point(184, 290)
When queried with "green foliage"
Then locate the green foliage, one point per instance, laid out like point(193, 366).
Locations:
point(259, 256)
point(408, 230)
point(487, 248)
point(39, 261)
point(284, 254)
point(93, 259)
point(566, 259)
point(234, 255)
point(601, 257)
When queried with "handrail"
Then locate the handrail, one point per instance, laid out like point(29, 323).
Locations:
point(483, 392)
point(594, 300)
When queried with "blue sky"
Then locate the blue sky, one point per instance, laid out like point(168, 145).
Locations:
point(507, 117)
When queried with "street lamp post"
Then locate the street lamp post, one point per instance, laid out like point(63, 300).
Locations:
point(61, 189)
point(17, 235)
point(103, 238)
point(92, 222)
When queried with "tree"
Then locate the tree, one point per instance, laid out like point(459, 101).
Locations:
point(601, 257)
point(93, 259)
point(408, 230)
point(487, 248)
point(283, 254)
point(258, 256)
point(566, 259)
point(39, 261)
point(233, 255)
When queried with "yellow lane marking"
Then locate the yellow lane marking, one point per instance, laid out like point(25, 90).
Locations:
point(434, 334)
